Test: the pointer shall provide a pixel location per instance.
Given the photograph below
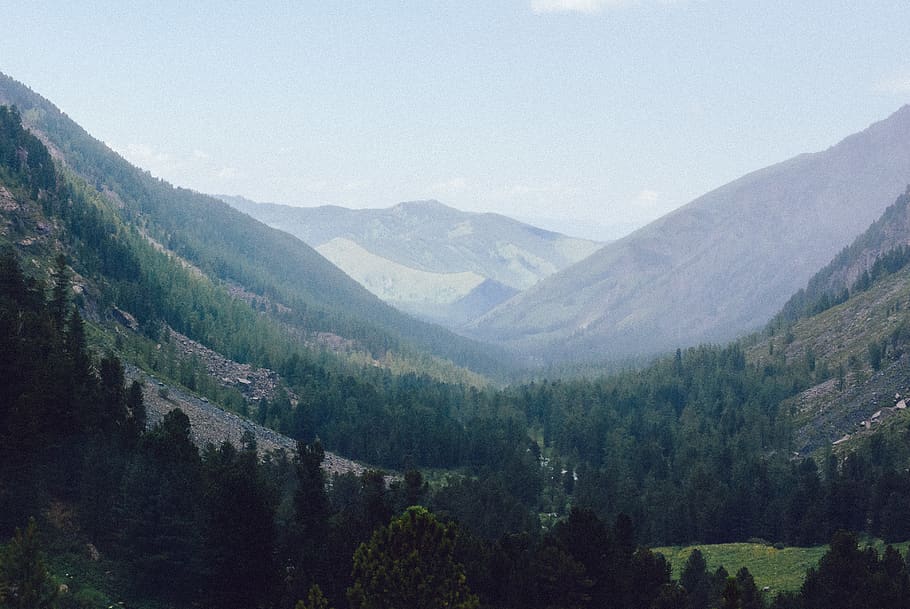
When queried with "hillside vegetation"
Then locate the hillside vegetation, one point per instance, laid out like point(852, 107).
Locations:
point(309, 294)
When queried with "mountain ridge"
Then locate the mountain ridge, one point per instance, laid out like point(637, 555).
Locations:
point(205, 231)
point(427, 236)
point(717, 267)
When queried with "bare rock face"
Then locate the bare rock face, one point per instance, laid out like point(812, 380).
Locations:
point(718, 267)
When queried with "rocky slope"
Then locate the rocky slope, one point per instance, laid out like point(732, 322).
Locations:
point(856, 391)
point(211, 424)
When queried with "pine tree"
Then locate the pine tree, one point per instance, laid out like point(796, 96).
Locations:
point(315, 599)
point(410, 563)
point(24, 580)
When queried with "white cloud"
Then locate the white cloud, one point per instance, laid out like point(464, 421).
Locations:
point(144, 156)
point(894, 84)
point(449, 187)
point(356, 186)
point(591, 7)
point(588, 7)
point(647, 197)
point(522, 189)
point(228, 173)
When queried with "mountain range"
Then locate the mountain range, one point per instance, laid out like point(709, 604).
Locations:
point(717, 267)
point(427, 258)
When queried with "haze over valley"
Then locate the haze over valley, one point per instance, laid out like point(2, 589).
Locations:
point(426, 258)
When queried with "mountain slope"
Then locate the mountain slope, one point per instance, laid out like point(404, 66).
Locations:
point(719, 266)
point(415, 254)
point(231, 248)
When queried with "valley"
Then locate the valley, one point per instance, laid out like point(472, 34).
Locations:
point(229, 419)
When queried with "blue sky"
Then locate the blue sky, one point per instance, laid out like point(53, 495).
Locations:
point(590, 116)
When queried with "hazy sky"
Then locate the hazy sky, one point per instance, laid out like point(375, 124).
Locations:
point(601, 114)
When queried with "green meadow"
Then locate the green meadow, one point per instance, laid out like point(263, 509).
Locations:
point(777, 569)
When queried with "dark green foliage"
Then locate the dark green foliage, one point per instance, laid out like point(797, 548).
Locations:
point(483, 506)
point(749, 595)
point(51, 401)
point(237, 528)
point(315, 600)
point(850, 578)
point(160, 511)
point(410, 563)
point(22, 156)
point(24, 579)
point(696, 581)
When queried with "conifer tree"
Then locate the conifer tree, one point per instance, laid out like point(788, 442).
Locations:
point(24, 580)
point(410, 563)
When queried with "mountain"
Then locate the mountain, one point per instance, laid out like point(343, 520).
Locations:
point(311, 296)
point(425, 257)
point(717, 267)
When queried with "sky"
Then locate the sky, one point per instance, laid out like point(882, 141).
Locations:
point(591, 117)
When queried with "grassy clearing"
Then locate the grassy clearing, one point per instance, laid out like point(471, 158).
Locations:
point(779, 570)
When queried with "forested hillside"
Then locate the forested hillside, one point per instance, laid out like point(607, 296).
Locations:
point(173, 526)
point(363, 410)
point(230, 248)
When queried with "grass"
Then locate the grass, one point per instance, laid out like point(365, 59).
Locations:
point(777, 569)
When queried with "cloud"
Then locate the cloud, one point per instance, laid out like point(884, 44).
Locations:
point(592, 7)
point(143, 155)
point(228, 173)
point(356, 186)
point(449, 187)
point(588, 7)
point(647, 197)
point(894, 84)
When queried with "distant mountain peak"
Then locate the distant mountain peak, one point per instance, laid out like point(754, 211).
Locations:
point(423, 206)
point(414, 253)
